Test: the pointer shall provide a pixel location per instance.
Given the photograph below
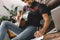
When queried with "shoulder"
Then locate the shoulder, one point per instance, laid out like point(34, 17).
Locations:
point(43, 9)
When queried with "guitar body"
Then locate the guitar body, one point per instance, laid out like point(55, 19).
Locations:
point(22, 23)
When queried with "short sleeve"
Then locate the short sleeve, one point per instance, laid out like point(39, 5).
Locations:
point(43, 9)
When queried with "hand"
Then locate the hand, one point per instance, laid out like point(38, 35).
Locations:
point(38, 34)
point(16, 18)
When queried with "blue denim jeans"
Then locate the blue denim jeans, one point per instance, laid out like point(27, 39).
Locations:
point(22, 33)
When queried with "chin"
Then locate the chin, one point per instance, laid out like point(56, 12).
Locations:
point(30, 3)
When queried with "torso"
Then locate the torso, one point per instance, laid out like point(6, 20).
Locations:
point(34, 16)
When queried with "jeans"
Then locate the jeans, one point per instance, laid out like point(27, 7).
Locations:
point(22, 33)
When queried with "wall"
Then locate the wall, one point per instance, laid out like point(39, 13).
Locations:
point(8, 4)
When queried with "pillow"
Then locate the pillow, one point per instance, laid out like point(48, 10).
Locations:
point(52, 3)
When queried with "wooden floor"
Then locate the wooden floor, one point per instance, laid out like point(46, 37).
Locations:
point(54, 36)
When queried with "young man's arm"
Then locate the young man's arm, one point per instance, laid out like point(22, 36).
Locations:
point(45, 26)
point(46, 22)
point(19, 15)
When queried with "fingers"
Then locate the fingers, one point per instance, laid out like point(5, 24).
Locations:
point(37, 34)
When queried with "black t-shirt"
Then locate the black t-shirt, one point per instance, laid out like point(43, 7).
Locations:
point(35, 14)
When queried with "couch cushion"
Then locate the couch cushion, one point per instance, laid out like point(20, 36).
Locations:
point(53, 3)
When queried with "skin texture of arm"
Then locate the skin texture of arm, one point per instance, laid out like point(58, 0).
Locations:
point(19, 15)
point(45, 26)
point(46, 23)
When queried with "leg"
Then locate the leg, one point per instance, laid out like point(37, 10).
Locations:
point(8, 25)
point(27, 34)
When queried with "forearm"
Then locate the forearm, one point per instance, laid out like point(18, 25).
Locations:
point(46, 23)
point(45, 26)
point(19, 15)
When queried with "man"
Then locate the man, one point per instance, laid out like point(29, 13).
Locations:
point(37, 12)
point(27, 32)
point(22, 33)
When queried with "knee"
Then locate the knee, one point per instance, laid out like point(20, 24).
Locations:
point(4, 22)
